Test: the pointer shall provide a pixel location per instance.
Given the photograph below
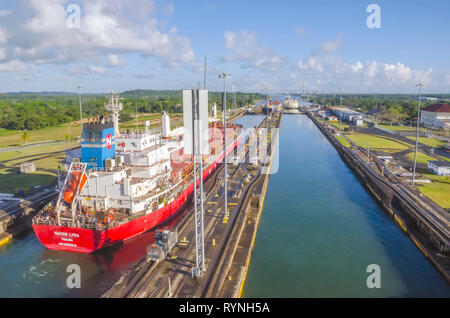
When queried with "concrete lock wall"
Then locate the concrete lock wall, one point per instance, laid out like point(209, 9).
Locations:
point(403, 213)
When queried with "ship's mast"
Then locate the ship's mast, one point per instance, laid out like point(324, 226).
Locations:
point(114, 106)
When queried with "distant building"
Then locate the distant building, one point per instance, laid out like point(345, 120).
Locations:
point(346, 114)
point(441, 168)
point(375, 113)
point(322, 113)
point(27, 167)
point(436, 116)
point(332, 118)
point(425, 98)
point(357, 122)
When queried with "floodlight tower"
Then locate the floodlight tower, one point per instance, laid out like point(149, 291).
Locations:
point(224, 119)
point(114, 106)
point(195, 117)
point(340, 110)
point(233, 87)
point(419, 86)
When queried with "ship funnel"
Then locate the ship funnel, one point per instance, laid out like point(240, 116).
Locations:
point(214, 110)
point(165, 125)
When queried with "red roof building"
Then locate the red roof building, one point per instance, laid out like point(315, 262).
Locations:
point(438, 108)
point(436, 116)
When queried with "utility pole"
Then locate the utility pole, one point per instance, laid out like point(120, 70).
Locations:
point(303, 90)
point(323, 106)
point(420, 86)
point(234, 95)
point(340, 110)
point(224, 115)
point(81, 110)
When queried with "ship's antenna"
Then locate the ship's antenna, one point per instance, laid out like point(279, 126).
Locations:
point(114, 106)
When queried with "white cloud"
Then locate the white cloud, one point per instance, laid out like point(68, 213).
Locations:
point(302, 31)
point(107, 28)
point(3, 36)
point(13, 66)
point(324, 66)
point(5, 13)
point(328, 47)
point(114, 60)
point(96, 69)
point(244, 50)
point(3, 54)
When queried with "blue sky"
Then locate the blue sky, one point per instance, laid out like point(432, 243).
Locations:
point(161, 45)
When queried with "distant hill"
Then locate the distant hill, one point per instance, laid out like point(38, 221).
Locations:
point(40, 93)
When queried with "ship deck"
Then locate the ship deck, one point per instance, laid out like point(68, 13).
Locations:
point(180, 164)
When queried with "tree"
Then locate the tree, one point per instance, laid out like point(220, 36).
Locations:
point(26, 136)
point(392, 114)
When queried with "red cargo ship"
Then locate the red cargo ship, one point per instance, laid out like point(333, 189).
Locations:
point(105, 201)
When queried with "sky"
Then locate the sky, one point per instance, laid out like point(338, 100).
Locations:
point(319, 45)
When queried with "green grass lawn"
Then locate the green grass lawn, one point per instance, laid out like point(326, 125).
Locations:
point(343, 141)
point(370, 141)
point(343, 126)
point(432, 142)
point(141, 123)
point(11, 138)
point(46, 158)
point(438, 190)
point(399, 127)
point(421, 157)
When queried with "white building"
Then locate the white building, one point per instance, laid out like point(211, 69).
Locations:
point(357, 121)
point(346, 114)
point(436, 116)
point(441, 168)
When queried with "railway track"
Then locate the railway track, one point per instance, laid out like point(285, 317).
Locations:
point(437, 218)
point(11, 211)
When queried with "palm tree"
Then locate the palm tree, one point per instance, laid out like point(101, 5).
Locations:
point(26, 136)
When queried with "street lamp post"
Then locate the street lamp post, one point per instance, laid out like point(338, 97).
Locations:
point(420, 86)
point(340, 110)
point(81, 111)
point(224, 120)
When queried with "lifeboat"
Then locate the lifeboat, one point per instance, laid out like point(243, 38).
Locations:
point(72, 186)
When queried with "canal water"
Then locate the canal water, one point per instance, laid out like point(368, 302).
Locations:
point(28, 269)
point(320, 229)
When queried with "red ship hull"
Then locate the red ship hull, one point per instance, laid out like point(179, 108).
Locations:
point(87, 241)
